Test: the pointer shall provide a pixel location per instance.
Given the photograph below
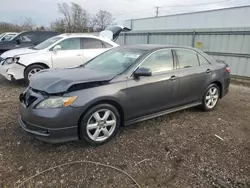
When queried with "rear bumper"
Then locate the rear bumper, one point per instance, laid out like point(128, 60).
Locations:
point(49, 135)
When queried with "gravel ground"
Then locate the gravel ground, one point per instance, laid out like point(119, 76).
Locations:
point(173, 151)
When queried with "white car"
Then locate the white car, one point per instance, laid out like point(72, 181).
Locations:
point(62, 51)
point(7, 36)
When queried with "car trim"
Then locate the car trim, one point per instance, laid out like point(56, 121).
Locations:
point(21, 64)
point(161, 113)
point(173, 56)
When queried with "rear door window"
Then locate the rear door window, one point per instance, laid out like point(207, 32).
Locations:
point(187, 58)
point(91, 43)
point(202, 60)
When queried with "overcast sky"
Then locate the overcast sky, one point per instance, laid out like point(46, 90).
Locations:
point(43, 12)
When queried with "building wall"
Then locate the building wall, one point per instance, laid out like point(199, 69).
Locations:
point(231, 45)
point(222, 18)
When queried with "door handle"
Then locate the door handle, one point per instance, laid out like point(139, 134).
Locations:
point(173, 77)
point(208, 71)
point(78, 54)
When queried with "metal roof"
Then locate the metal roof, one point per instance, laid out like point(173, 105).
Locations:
point(213, 10)
point(152, 47)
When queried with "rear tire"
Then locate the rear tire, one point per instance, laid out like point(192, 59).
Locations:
point(211, 97)
point(100, 124)
point(31, 70)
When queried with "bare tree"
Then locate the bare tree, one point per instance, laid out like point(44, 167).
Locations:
point(103, 19)
point(91, 24)
point(64, 9)
point(80, 18)
point(9, 27)
point(28, 24)
point(75, 18)
point(59, 25)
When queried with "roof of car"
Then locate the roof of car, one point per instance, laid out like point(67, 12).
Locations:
point(88, 35)
point(79, 35)
point(9, 33)
point(38, 32)
point(152, 47)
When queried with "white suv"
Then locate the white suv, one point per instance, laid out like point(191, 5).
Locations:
point(62, 51)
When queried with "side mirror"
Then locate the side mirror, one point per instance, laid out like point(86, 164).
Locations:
point(142, 72)
point(57, 48)
point(18, 42)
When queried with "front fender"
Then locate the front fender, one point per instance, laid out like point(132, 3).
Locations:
point(28, 60)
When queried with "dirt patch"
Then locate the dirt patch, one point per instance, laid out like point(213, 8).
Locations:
point(173, 151)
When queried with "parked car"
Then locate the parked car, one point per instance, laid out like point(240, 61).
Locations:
point(122, 86)
point(7, 36)
point(66, 50)
point(26, 39)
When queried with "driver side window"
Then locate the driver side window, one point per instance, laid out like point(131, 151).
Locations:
point(26, 37)
point(70, 44)
point(159, 61)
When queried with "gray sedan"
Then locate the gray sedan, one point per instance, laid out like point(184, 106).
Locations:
point(122, 86)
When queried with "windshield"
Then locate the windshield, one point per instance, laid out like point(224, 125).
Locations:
point(116, 60)
point(47, 43)
point(9, 36)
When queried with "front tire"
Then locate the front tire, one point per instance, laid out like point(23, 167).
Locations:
point(100, 124)
point(211, 97)
point(30, 71)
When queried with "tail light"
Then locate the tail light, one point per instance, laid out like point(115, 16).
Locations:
point(228, 69)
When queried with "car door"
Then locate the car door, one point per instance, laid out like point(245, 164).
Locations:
point(157, 92)
point(26, 39)
point(193, 77)
point(93, 47)
point(70, 54)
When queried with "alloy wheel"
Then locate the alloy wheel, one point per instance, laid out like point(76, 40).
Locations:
point(212, 97)
point(33, 71)
point(101, 125)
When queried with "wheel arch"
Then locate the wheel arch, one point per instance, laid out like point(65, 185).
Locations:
point(37, 63)
point(219, 84)
point(103, 101)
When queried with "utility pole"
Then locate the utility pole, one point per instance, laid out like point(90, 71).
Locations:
point(157, 11)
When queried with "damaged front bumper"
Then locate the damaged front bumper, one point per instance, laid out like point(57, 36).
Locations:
point(12, 72)
point(54, 125)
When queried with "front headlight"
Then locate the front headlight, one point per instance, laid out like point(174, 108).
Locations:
point(12, 60)
point(56, 102)
point(9, 61)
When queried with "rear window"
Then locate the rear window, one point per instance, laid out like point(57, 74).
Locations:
point(187, 58)
point(202, 60)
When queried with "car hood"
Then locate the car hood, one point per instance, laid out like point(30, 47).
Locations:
point(60, 80)
point(19, 51)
